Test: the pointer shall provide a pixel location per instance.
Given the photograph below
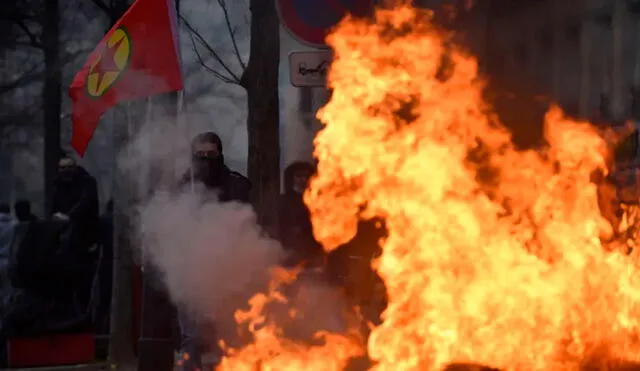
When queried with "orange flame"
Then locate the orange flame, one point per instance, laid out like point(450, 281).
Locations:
point(271, 350)
point(493, 254)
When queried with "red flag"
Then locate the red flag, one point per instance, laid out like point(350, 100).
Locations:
point(137, 58)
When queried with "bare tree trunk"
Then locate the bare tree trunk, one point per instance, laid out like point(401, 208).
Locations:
point(120, 338)
point(260, 79)
point(51, 96)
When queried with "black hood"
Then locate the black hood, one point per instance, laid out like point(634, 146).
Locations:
point(291, 170)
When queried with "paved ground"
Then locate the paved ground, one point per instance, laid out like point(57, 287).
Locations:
point(103, 366)
point(208, 361)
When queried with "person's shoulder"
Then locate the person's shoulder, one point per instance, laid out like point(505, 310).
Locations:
point(239, 179)
point(183, 183)
point(237, 176)
point(86, 176)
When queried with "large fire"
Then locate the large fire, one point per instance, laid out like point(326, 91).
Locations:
point(494, 256)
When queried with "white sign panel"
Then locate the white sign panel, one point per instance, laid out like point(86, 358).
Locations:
point(309, 69)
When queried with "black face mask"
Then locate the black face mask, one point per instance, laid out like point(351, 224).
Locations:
point(208, 169)
point(67, 175)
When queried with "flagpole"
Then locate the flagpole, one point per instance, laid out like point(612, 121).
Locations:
point(144, 187)
point(147, 149)
point(184, 125)
point(180, 121)
point(129, 121)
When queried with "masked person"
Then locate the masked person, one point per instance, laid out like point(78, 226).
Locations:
point(75, 202)
point(208, 173)
point(296, 232)
point(75, 199)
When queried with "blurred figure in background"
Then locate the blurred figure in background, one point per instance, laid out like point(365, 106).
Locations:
point(296, 231)
point(75, 203)
point(350, 267)
point(7, 224)
point(7, 227)
point(22, 210)
point(75, 200)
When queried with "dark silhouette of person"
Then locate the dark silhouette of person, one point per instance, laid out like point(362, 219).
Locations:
point(75, 200)
point(296, 231)
point(350, 266)
point(22, 210)
point(7, 226)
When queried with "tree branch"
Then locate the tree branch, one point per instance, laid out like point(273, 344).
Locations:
point(33, 39)
point(194, 33)
point(101, 4)
point(232, 32)
point(33, 75)
point(18, 16)
point(36, 73)
point(204, 64)
point(12, 119)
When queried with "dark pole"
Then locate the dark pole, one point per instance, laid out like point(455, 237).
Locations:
point(121, 339)
point(52, 97)
point(156, 344)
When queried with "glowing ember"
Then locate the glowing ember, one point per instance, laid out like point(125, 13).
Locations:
point(493, 256)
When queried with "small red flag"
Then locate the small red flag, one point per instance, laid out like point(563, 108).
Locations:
point(137, 58)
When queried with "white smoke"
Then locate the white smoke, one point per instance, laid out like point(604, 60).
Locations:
point(211, 256)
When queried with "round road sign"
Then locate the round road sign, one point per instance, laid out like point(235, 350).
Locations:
point(308, 21)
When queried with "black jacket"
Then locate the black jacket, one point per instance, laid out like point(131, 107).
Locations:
point(233, 186)
point(78, 198)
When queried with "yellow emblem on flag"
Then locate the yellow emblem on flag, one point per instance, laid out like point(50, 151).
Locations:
point(111, 63)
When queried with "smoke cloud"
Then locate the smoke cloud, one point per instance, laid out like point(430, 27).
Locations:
point(211, 256)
